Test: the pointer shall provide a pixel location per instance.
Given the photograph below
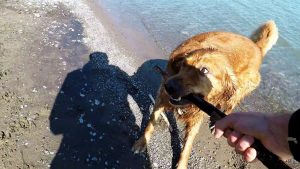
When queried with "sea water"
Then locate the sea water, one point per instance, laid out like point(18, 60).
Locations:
point(168, 23)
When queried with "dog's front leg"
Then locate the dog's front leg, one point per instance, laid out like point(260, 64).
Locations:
point(191, 132)
point(141, 144)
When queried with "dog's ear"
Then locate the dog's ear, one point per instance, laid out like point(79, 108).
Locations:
point(176, 63)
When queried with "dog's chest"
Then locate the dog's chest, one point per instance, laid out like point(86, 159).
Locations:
point(187, 113)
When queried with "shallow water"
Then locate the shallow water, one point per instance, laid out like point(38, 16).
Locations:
point(169, 23)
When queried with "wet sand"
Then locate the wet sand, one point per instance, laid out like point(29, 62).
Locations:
point(75, 95)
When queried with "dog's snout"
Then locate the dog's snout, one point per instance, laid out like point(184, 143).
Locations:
point(173, 88)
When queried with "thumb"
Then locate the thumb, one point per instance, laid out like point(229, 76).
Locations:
point(223, 124)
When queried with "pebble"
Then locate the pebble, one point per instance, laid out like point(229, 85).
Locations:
point(37, 15)
point(34, 90)
point(81, 119)
point(97, 102)
point(93, 133)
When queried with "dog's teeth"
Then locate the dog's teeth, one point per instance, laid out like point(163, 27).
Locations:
point(178, 99)
point(180, 111)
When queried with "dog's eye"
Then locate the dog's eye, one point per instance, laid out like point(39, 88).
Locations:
point(204, 70)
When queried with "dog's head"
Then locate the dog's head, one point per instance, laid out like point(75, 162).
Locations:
point(204, 72)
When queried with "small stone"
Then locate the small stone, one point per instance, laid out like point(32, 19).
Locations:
point(37, 15)
point(97, 102)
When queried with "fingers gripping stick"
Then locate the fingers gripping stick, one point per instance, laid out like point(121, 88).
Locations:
point(269, 159)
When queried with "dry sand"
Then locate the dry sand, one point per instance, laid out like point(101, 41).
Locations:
point(73, 96)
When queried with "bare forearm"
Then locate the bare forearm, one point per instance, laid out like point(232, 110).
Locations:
point(278, 127)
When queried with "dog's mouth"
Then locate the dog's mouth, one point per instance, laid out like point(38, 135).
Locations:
point(183, 100)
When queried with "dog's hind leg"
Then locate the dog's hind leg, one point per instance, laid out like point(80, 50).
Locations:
point(141, 144)
point(190, 134)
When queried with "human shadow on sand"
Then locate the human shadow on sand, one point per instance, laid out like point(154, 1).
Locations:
point(93, 115)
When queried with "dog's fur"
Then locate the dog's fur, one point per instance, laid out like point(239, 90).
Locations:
point(222, 67)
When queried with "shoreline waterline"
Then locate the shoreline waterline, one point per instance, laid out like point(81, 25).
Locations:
point(135, 41)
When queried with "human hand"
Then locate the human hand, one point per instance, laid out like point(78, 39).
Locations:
point(240, 129)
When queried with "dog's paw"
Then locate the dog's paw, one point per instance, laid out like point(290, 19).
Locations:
point(140, 145)
point(182, 163)
point(181, 166)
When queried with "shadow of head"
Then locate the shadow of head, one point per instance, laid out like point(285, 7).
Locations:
point(99, 60)
point(92, 113)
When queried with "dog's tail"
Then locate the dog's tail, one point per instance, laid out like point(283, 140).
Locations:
point(265, 36)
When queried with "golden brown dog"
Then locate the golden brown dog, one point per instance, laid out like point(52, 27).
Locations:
point(221, 67)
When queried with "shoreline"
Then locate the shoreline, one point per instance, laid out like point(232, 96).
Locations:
point(138, 43)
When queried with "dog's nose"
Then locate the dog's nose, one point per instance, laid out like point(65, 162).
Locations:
point(173, 88)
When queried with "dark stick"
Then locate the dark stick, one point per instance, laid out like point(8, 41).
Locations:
point(269, 159)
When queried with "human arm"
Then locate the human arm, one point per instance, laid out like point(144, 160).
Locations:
point(240, 129)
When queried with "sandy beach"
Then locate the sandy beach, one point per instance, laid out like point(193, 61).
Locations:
point(75, 93)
